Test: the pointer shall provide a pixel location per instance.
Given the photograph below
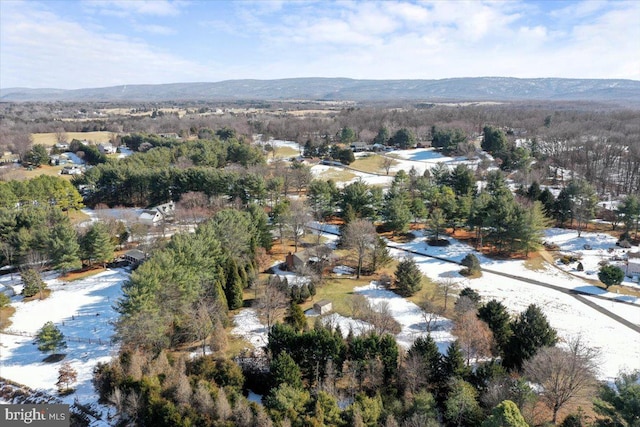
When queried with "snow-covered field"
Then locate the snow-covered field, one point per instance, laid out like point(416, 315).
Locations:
point(602, 248)
point(619, 345)
point(83, 311)
point(425, 158)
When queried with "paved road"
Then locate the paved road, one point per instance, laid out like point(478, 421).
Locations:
point(579, 295)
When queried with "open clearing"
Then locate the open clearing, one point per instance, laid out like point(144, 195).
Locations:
point(51, 138)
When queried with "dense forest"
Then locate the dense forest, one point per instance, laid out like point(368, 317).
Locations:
point(241, 200)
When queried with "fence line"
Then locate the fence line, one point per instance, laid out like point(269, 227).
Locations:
point(98, 341)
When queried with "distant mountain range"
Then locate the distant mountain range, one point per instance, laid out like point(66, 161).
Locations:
point(342, 89)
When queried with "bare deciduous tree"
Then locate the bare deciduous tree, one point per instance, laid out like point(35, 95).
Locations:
point(474, 336)
point(271, 304)
point(386, 163)
point(296, 220)
point(563, 374)
point(359, 235)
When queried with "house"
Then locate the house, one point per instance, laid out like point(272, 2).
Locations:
point(157, 214)
point(323, 307)
point(9, 157)
point(71, 170)
point(633, 264)
point(62, 145)
point(296, 260)
point(171, 135)
point(134, 257)
point(106, 148)
point(150, 217)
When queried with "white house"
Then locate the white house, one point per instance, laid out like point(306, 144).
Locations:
point(106, 148)
point(157, 214)
point(633, 264)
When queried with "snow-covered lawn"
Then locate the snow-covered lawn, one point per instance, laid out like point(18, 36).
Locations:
point(602, 248)
point(425, 158)
point(83, 311)
point(410, 317)
point(248, 325)
point(620, 346)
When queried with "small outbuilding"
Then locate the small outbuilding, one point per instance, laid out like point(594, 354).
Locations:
point(633, 264)
point(323, 306)
point(134, 256)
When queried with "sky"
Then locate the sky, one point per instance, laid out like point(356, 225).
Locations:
point(84, 44)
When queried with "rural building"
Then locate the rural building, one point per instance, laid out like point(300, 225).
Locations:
point(323, 306)
point(361, 146)
point(9, 157)
point(633, 264)
point(157, 214)
point(106, 148)
point(71, 170)
point(296, 260)
point(134, 256)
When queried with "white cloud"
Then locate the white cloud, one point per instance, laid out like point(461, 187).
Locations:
point(44, 50)
point(263, 39)
point(136, 7)
point(156, 29)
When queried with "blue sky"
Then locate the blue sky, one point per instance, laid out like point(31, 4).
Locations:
point(80, 44)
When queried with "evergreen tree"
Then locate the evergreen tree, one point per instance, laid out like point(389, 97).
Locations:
point(610, 275)
point(472, 264)
point(382, 137)
point(380, 255)
point(496, 316)
point(64, 248)
point(97, 245)
point(408, 277)
point(461, 406)
point(506, 414)
point(49, 338)
point(531, 331)
point(284, 370)
point(453, 363)
point(37, 156)
point(296, 317)
point(426, 349)
point(234, 286)
point(33, 283)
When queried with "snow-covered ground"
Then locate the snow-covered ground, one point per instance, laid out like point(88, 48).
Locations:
point(619, 345)
point(425, 158)
point(83, 311)
point(410, 317)
point(602, 247)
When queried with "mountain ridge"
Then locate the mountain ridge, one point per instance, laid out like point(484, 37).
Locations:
point(345, 89)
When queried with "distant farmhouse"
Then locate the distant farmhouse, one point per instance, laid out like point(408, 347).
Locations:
point(157, 214)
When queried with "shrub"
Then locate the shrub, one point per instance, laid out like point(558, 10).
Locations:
point(4, 300)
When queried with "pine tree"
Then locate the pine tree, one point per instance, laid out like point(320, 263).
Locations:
point(531, 331)
point(64, 248)
point(97, 245)
point(453, 363)
point(496, 316)
point(234, 288)
point(49, 338)
point(33, 283)
point(284, 370)
point(408, 277)
point(296, 317)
